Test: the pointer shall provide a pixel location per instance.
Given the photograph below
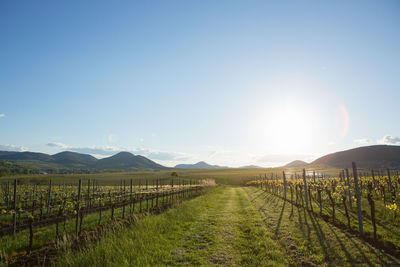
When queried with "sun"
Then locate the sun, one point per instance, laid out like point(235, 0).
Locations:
point(286, 130)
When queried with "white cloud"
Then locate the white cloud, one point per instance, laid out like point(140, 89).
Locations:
point(362, 141)
point(104, 151)
point(2, 115)
point(58, 145)
point(98, 150)
point(389, 140)
point(15, 148)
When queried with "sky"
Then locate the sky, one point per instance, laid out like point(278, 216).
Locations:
point(232, 83)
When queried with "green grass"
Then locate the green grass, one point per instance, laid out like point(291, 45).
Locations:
point(227, 226)
point(43, 235)
point(388, 230)
point(232, 176)
point(316, 240)
point(220, 228)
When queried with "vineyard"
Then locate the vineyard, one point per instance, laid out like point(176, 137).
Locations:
point(361, 202)
point(32, 215)
point(280, 217)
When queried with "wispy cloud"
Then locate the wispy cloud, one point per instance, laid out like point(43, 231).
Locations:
point(15, 148)
point(389, 140)
point(362, 141)
point(104, 151)
point(2, 115)
point(58, 145)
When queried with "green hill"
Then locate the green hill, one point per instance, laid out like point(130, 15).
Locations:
point(296, 164)
point(379, 156)
point(67, 161)
point(127, 161)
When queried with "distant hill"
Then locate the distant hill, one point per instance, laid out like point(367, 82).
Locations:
point(379, 156)
point(16, 156)
point(127, 161)
point(251, 167)
point(296, 164)
point(71, 160)
point(74, 160)
point(199, 165)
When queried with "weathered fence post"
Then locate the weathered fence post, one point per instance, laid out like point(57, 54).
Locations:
point(123, 201)
point(349, 191)
point(49, 198)
point(15, 208)
point(392, 193)
point(130, 206)
point(88, 195)
point(360, 223)
point(284, 185)
point(77, 208)
point(305, 188)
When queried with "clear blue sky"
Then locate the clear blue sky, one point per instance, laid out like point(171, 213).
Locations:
point(228, 82)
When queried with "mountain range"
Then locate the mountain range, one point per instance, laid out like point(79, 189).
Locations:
point(199, 165)
point(377, 156)
point(71, 160)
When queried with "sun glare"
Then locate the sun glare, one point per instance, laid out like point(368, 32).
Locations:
point(287, 130)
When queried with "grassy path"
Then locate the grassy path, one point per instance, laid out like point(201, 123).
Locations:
point(230, 226)
point(222, 228)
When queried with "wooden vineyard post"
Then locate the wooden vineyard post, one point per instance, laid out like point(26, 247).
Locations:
point(30, 233)
point(77, 208)
point(373, 177)
point(349, 191)
point(305, 188)
point(140, 201)
point(49, 198)
point(15, 208)
point(360, 223)
point(88, 195)
point(123, 202)
point(158, 181)
point(172, 189)
point(284, 185)
point(130, 205)
point(391, 187)
point(94, 191)
point(33, 200)
point(41, 205)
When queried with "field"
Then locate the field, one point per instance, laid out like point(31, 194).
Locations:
point(244, 219)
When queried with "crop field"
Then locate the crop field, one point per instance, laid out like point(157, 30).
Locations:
point(32, 215)
point(361, 203)
point(229, 217)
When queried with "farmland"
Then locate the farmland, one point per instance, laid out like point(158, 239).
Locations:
point(32, 215)
point(247, 219)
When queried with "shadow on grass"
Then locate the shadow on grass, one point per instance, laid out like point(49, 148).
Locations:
point(280, 218)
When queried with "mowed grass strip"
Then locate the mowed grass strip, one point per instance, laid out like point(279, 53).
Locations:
point(319, 241)
point(222, 227)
